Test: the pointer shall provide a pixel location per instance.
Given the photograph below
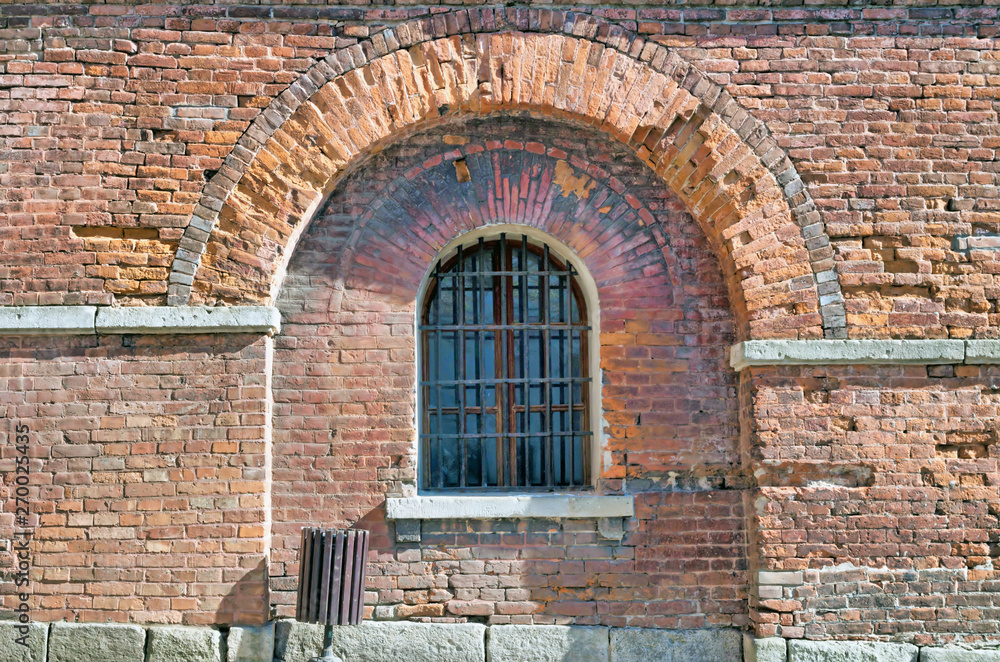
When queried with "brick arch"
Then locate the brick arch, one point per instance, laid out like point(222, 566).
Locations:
point(720, 162)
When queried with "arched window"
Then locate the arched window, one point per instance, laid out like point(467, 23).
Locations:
point(505, 393)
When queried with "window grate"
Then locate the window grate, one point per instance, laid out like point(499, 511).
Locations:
point(504, 380)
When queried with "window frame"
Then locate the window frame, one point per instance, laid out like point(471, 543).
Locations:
point(590, 312)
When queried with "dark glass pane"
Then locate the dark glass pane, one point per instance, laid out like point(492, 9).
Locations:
point(472, 396)
point(557, 354)
point(449, 396)
point(518, 366)
point(520, 443)
point(474, 463)
point(473, 423)
point(559, 457)
point(470, 306)
point(578, 461)
point(516, 310)
point(432, 355)
point(536, 466)
point(492, 477)
point(534, 284)
point(489, 316)
point(536, 422)
point(450, 455)
point(575, 362)
point(448, 355)
point(489, 355)
point(532, 361)
point(446, 302)
point(535, 354)
point(536, 393)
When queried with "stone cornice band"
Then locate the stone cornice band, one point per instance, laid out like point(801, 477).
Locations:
point(862, 352)
point(87, 320)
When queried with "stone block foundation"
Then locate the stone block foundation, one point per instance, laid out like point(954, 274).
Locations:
point(391, 641)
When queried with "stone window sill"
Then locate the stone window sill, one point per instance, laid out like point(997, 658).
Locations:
point(550, 506)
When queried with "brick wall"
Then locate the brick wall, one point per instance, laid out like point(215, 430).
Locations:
point(148, 459)
point(881, 485)
point(344, 385)
point(873, 488)
point(115, 114)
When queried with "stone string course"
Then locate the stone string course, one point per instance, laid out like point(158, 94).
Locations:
point(862, 352)
point(85, 320)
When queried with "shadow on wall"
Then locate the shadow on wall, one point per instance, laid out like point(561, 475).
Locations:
point(547, 571)
point(247, 601)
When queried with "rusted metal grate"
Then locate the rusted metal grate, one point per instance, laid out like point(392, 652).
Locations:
point(332, 571)
point(504, 379)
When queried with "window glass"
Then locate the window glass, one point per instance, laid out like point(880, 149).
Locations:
point(504, 349)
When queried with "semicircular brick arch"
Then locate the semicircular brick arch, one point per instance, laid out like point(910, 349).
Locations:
point(721, 162)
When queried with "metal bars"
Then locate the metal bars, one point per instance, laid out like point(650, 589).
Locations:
point(504, 375)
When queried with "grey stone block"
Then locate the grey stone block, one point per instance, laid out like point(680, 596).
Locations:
point(612, 528)
point(189, 319)
point(509, 507)
point(982, 351)
point(175, 643)
point(384, 642)
point(250, 644)
point(849, 651)
point(764, 649)
point(407, 530)
point(47, 320)
point(779, 577)
point(642, 645)
point(958, 655)
point(546, 643)
point(845, 352)
point(36, 640)
point(97, 642)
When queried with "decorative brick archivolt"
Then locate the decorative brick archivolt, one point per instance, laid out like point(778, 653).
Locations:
point(476, 182)
point(720, 161)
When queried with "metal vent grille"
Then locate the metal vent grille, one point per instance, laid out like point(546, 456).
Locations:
point(332, 571)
